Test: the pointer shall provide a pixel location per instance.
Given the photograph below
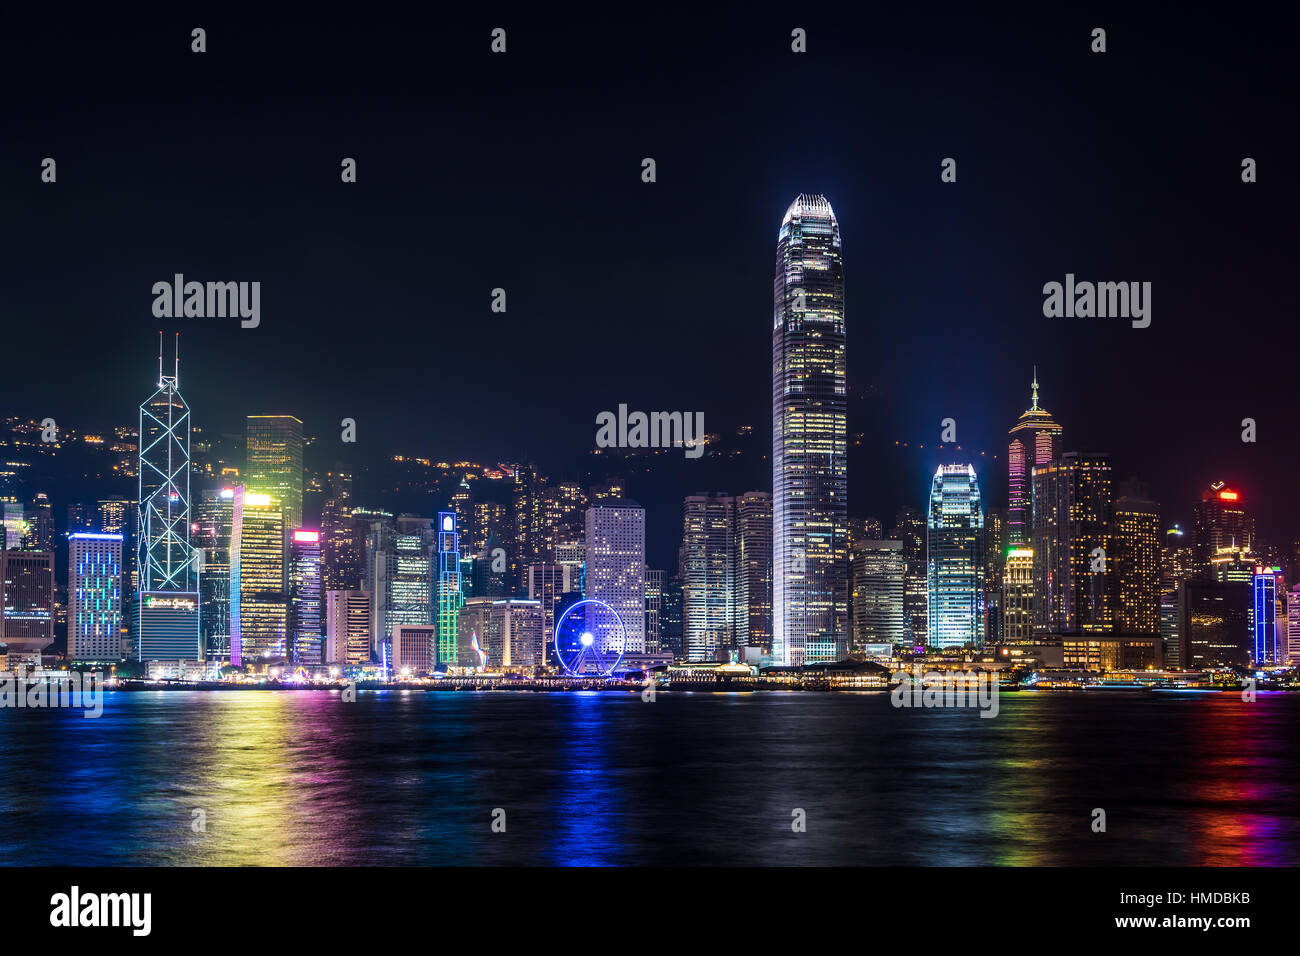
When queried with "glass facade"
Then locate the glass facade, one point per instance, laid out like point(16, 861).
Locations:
point(955, 558)
point(809, 438)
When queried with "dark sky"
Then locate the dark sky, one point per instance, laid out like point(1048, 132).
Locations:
point(522, 171)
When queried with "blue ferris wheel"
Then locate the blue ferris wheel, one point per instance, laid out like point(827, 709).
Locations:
point(589, 639)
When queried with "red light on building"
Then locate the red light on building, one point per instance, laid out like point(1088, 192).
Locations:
point(1228, 495)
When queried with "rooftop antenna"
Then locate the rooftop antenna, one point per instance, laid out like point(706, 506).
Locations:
point(160, 357)
point(177, 368)
point(1035, 408)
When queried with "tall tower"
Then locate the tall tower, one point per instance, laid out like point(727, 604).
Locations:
point(809, 438)
point(275, 463)
point(1035, 441)
point(616, 564)
point(450, 595)
point(168, 595)
point(955, 558)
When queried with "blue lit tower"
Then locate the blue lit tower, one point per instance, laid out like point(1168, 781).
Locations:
point(955, 558)
point(168, 597)
point(450, 597)
point(809, 439)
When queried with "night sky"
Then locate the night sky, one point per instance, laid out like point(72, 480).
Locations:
point(522, 171)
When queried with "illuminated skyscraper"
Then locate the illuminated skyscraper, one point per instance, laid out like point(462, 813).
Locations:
point(909, 528)
point(1270, 634)
point(305, 597)
point(1074, 553)
point(654, 605)
point(27, 608)
point(1018, 596)
point(754, 569)
point(95, 597)
point(1221, 522)
point(347, 628)
point(515, 637)
point(214, 514)
point(878, 572)
point(258, 606)
point(275, 462)
point(1137, 563)
point(342, 560)
point(1035, 441)
point(809, 438)
point(708, 570)
point(1176, 566)
point(168, 594)
point(450, 594)
point(955, 558)
point(615, 569)
point(547, 584)
point(400, 576)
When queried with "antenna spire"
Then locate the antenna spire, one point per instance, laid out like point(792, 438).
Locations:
point(1035, 407)
point(177, 367)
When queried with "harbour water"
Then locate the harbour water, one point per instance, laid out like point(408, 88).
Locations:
point(411, 777)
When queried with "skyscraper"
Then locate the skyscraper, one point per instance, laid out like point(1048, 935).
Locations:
point(809, 438)
point(955, 558)
point(707, 570)
point(27, 605)
point(1221, 522)
point(305, 598)
point(168, 595)
point(342, 561)
point(754, 569)
point(1018, 596)
point(450, 594)
point(654, 605)
point(275, 463)
point(258, 606)
point(214, 514)
point(95, 597)
point(1074, 554)
point(1035, 441)
point(615, 570)
point(1137, 562)
point(878, 571)
point(347, 627)
point(1269, 648)
point(909, 528)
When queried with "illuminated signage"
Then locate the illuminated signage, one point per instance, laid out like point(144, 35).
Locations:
point(161, 602)
point(1228, 495)
point(309, 536)
point(256, 500)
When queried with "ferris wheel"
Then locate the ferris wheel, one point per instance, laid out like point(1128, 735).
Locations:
point(589, 639)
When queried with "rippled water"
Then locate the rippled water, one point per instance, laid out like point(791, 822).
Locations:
point(410, 777)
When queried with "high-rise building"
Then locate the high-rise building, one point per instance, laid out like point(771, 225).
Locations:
point(809, 438)
point(654, 604)
point(214, 516)
point(473, 634)
point(670, 619)
point(1138, 555)
point(413, 648)
point(40, 524)
point(400, 578)
point(1035, 442)
point(168, 592)
point(347, 628)
point(1215, 624)
point(95, 597)
point(547, 584)
point(707, 559)
point(274, 444)
point(955, 558)
point(342, 540)
point(258, 606)
point(27, 609)
point(1221, 522)
point(115, 515)
point(1018, 596)
point(877, 572)
point(450, 593)
point(515, 638)
point(615, 568)
point(1176, 566)
point(910, 528)
point(1268, 618)
point(305, 598)
point(1074, 564)
point(754, 569)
